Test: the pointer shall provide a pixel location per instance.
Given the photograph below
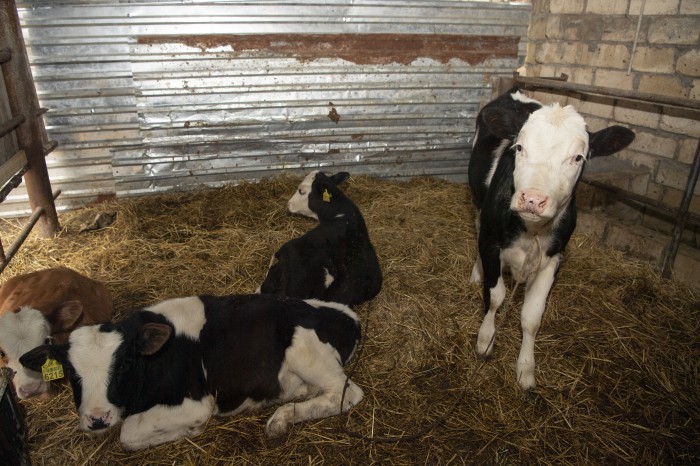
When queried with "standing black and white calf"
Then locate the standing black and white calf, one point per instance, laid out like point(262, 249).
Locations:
point(167, 368)
point(335, 261)
point(525, 163)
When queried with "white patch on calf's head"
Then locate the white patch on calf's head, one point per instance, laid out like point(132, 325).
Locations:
point(549, 154)
point(92, 354)
point(20, 332)
point(299, 202)
point(186, 315)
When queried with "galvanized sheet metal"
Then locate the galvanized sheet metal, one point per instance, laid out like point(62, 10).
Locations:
point(153, 96)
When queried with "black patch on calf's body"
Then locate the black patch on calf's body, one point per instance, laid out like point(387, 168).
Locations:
point(245, 338)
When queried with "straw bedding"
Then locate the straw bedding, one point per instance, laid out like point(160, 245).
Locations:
point(618, 352)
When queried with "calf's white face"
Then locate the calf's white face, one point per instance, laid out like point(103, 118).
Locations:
point(92, 355)
point(20, 332)
point(299, 202)
point(550, 151)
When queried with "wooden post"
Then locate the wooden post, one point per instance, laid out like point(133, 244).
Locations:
point(31, 133)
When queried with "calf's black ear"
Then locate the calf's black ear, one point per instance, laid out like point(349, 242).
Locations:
point(609, 140)
point(340, 177)
point(34, 359)
point(153, 336)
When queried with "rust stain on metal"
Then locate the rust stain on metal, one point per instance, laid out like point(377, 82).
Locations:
point(362, 49)
point(333, 115)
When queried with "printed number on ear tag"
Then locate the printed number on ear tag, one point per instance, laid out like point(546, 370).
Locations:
point(326, 196)
point(52, 370)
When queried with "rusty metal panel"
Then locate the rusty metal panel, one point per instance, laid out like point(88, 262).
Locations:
point(152, 96)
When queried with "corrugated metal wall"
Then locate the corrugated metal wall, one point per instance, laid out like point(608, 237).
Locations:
point(152, 96)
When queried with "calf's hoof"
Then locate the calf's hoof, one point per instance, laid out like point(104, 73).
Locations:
point(526, 376)
point(278, 424)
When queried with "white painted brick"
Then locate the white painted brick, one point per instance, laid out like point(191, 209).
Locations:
point(654, 59)
point(554, 29)
point(639, 159)
point(638, 114)
point(690, 7)
point(652, 143)
point(655, 7)
point(663, 85)
point(621, 29)
point(686, 153)
point(695, 90)
point(610, 56)
point(689, 63)
point(616, 79)
point(597, 106)
point(675, 196)
point(672, 174)
point(672, 121)
point(566, 6)
point(655, 191)
point(607, 7)
point(669, 30)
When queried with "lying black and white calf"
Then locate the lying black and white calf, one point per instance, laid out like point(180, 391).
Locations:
point(525, 163)
point(335, 261)
point(165, 369)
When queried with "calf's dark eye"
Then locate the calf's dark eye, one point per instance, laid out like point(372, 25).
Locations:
point(578, 158)
point(518, 148)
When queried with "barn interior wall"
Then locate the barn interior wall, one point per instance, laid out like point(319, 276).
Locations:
point(153, 96)
point(616, 44)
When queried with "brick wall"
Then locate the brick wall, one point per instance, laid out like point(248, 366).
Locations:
point(593, 42)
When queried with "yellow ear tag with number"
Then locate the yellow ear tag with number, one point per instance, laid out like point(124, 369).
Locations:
point(326, 196)
point(52, 370)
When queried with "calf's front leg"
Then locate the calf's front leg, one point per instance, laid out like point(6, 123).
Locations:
point(161, 423)
point(530, 318)
point(494, 294)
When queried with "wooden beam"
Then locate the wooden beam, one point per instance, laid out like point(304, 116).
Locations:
point(12, 167)
point(31, 134)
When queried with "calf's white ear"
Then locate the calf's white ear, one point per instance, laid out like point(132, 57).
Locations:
point(609, 140)
point(153, 336)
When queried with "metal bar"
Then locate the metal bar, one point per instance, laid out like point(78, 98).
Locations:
point(5, 55)
point(24, 234)
point(659, 207)
point(3, 258)
point(682, 216)
point(610, 92)
point(11, 124)
point(31, 134)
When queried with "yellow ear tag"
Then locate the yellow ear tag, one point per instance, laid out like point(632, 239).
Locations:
point(326, 196)
point(52, 370)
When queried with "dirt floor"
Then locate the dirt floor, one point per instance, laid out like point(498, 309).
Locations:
point(618, 353)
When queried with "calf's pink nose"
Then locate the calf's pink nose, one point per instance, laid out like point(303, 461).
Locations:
point(532, 201)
